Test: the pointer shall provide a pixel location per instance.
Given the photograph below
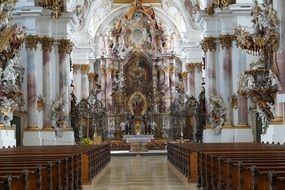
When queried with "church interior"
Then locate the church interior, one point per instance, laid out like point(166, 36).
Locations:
point(145, 94)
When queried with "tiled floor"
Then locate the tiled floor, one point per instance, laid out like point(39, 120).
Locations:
point(139, 173)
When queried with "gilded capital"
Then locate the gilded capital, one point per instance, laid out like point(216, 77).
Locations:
point(209, 43)
point(199, 67)
point(92, 76)
point(85, 69)
point(227, 40)
point(191, 67)
point(32, 42)
point(65, 46)
point(110, 70)
point(169, 69)
point(184, 75)
point(47, 43)
point(76, 68)
point(57, 7)
point(103, 70)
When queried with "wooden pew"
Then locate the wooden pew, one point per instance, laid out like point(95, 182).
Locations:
point(186, 157)
point(70, 166)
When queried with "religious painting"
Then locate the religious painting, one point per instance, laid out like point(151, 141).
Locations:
point(137, 70)
point(138, 104)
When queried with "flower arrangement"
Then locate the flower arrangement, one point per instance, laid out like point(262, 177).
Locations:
point(86, 141)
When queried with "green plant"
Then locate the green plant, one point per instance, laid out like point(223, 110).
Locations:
point(86, 141)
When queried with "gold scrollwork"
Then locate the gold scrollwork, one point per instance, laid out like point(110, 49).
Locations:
point(40, 103)
point(210, 10)
point(85, 68)
point(199, 66)
point(109, 70)
point(92, 76)
point(169, 69)
point(227, 40)
point(76, 68)
point(65, 46)
point(32, 42)
point(191, 67)
point(47, 43)
point(234, 101)
point(56, 6)
point(184, 75)
point(209, 43)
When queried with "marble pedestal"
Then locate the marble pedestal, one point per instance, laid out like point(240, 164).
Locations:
point(228, 135)
point(67, 138)
point(32, 138)
point(7, 138)
point(48, 137)
point(274, 133)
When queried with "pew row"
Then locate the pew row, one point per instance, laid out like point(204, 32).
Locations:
point(230, 165)
point(51, 167)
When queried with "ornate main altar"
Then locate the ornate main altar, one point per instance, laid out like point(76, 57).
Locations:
point(139, 82)
point(133, 97)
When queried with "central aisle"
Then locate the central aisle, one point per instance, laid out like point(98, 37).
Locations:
point(139, 173)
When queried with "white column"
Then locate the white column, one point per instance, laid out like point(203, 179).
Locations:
point(209, 47)
point(84, 81)
point(279, 6)
point(64, 49)
point(227, 88)
point(47, 44)
point(77, 81)
point(31, 45)
point(191, 79)
point(198, 79)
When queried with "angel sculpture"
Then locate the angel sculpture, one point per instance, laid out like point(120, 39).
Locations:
point(217, 113)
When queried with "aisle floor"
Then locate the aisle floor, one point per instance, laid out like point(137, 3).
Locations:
point(139, 173)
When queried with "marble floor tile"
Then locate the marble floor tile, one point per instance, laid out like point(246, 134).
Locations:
point(139, 173)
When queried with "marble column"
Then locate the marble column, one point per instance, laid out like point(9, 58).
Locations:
point(77, 81)
point(109, 85)
point(47, 44)
point(103, 81)
point(198, 79)
point(209, 46)
point(279, 6)
point(65, 47)
point(92, 81)
point(242, 111)
point(84, 81)
point(31, 46)
point(167, 88)
point(191, 78)
point(227, 92)
point(184, 76)
point(155, 74)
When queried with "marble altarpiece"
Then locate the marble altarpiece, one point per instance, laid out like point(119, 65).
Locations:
point(139, 77)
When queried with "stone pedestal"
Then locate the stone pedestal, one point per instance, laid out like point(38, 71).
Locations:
point(32, 138)
point(7, 138)
point(48, 137)
point(243, 135)
point(228, 135)
point(274, 133)
point(67, 138)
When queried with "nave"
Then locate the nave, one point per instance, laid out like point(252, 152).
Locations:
point(140, 173)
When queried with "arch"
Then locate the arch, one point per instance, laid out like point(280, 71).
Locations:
point(118, 12)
